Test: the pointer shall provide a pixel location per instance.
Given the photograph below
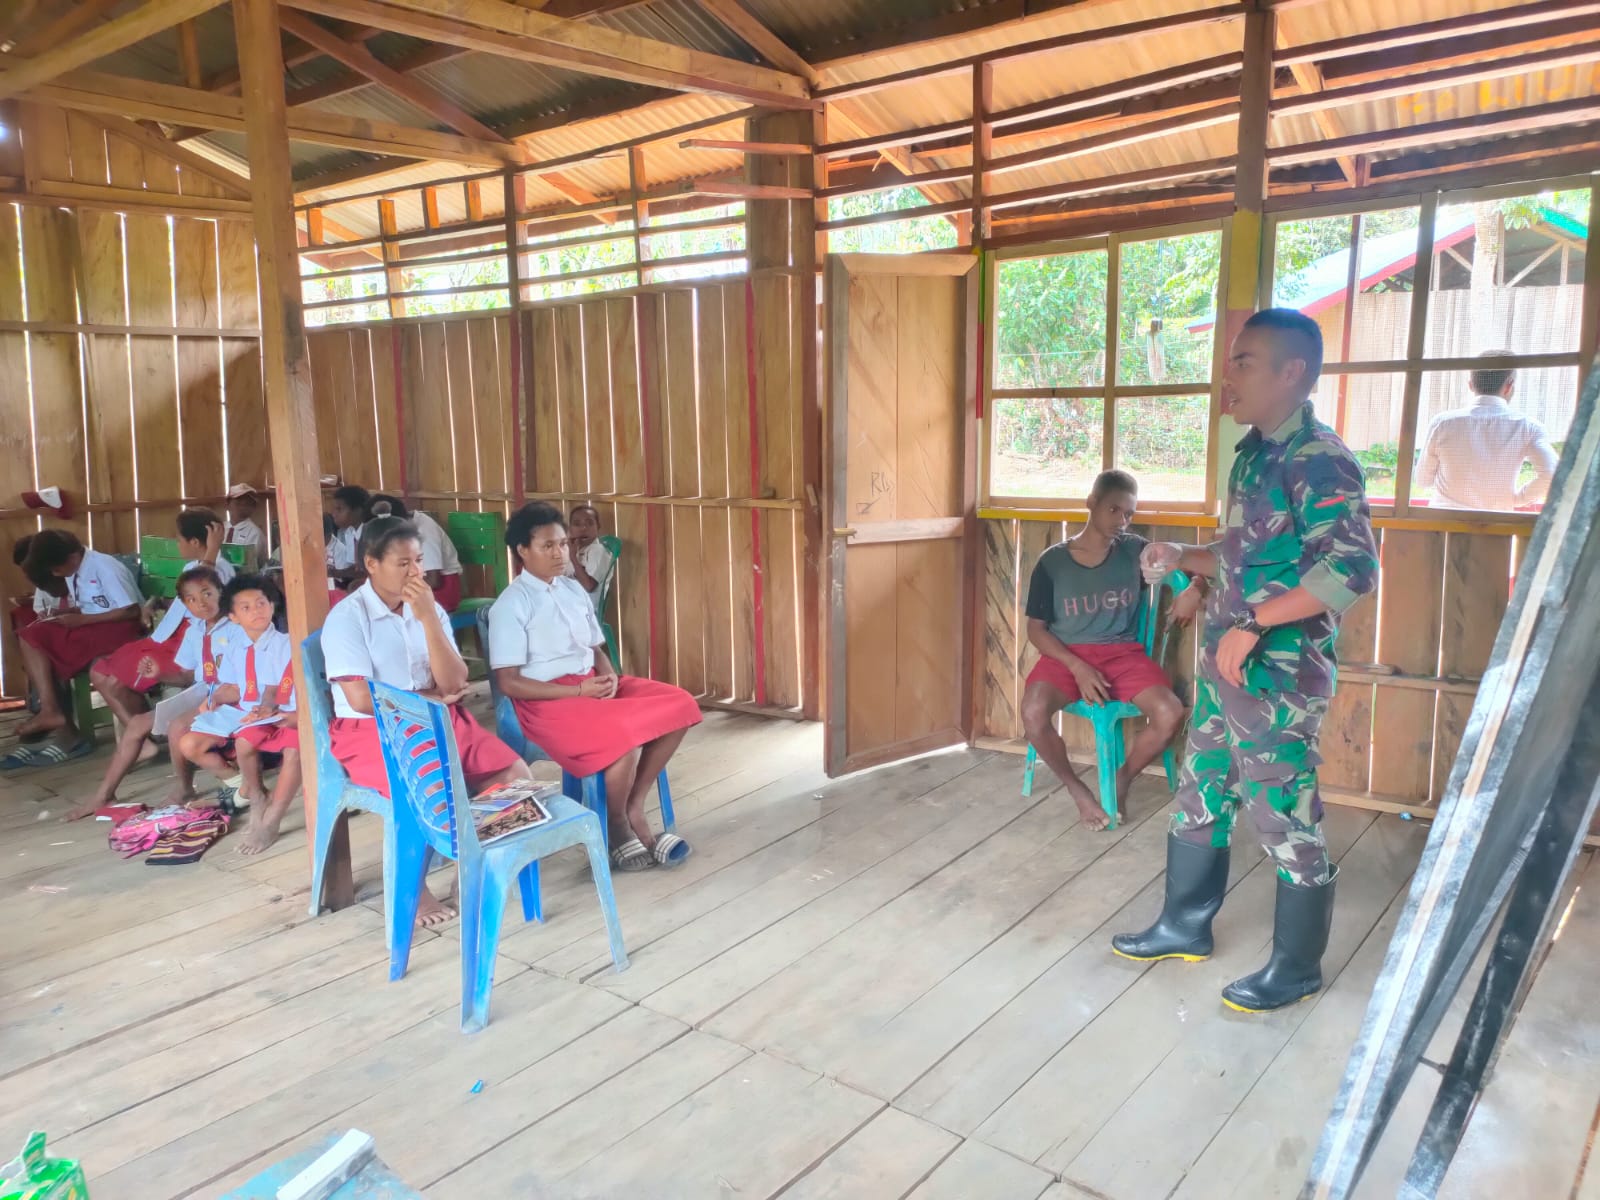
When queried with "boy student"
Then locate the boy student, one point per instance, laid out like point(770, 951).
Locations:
point(101, 614)
point(242, 528)
point(348, 507)
point(1083, 610)
point(200, 595)
point(250, 708)
point(1296, 551)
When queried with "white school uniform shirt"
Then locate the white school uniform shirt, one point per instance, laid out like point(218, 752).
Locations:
point(101, 584)
point(438, 551)
point(546, 629)
point(1471, 457)
point(364, 639)
point(176, 615)
point(246, 533)
point(274, 655)
point(192, 648)
point(599, 563)
point(45, 604)
point(342, 548)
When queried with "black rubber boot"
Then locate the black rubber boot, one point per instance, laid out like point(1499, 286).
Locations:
point(1299, 936)
point(1197, 879)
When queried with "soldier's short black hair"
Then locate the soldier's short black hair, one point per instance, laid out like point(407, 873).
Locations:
point(1297, 333)
point(1113, 481)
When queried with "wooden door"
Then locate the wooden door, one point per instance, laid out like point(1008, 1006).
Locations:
point(901, 471)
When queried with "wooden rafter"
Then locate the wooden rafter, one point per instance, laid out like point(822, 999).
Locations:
point(151, 17)
point(1525, 19)
point(498, 27)
point(736, 17)
point(64, 27)
point(90, 91)
point(189, 54)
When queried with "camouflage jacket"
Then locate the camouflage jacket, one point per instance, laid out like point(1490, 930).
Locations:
point(1296, 514)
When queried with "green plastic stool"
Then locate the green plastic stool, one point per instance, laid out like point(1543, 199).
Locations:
point(1111, 749)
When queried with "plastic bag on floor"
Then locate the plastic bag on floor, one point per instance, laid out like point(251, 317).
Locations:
point(32, 1176)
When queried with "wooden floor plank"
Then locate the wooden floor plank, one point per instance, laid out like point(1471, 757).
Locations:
point(887, 1157)
point(979, 1170)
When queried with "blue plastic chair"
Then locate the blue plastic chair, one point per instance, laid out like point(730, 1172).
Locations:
point(590, 790)
point(1110, 747)
point(435, 812)
point(335, 792)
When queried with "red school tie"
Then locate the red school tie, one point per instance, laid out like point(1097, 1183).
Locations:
point(252, 693)
point(208, 665)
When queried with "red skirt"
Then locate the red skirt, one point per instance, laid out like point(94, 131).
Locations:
point(586, 735)
point(354, 741)
point(448, 593)
point(71, 649)
point(123, 664)
point(271, 739)
point(22, 615)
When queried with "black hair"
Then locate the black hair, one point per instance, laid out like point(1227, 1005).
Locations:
point(1299, 335)
point(382, 504)
point(1113, 481)
point(51, 548)
point(538, 514)
point(328, 528)
point(194, 524)
point(19, 552)
point(200, 574)
point(251, 583)
point(588, 508)
point(378, 534)
point(353, 497)
point(1491, 381)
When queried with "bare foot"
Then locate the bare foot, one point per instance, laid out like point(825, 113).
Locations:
point(40, 723)
point(180, 795)
point(86, 809)
point(431, 912)
point(262, 831)
point(1093, 816)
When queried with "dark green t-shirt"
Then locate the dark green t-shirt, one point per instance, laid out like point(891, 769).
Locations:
point(1089, 606)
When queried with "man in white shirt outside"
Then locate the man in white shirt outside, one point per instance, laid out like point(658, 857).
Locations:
point(1472, 457)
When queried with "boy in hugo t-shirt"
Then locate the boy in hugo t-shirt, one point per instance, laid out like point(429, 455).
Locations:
point(1083, 610)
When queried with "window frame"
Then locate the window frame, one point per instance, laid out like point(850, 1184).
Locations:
point(1416, 365)
point(1109, 391)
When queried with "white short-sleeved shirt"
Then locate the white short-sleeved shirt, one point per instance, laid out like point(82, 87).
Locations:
point(438, 551)
point(342, 548)
point(102, 584)
point(177, 614)
point(256, 669)
point(245, 533)
point(193, 647)
point(599, 562)
point(364, 639)
point(546, 629)
point(44, 603)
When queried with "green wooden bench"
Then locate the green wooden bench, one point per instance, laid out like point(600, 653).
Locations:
point(164, 563)
point(480, 541)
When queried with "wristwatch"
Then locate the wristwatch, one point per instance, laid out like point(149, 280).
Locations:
point(1247, 622)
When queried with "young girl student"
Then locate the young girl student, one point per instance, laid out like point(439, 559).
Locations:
point(441, 565)
point(251, 706)
point(392, 629)
point(588, 560)
point(549, 656)
point(200, 596)
point(348, 508)
point(101, 613)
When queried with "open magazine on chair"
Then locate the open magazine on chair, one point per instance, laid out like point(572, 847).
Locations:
point(507, 807)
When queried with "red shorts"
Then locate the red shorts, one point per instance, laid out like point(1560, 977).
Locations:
point(586, 735)
point(271, 739)
point(354, 741)
point(71, 649)
point(448, 593)
point(123, 664)
point(1127, 668)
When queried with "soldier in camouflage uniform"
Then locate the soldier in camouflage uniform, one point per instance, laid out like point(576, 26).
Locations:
point(1296, 550)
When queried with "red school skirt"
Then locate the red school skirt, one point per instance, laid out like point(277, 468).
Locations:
point(271, 739)
point(354, 741)
point(71, 650)
point(448, 593)
point(123, 663)
point(586, 735)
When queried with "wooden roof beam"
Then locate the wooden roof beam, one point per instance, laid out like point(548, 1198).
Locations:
point(1410, 82)
point(1309, 77)
point(1216, 114)
point(64, 28)
point(91, 91)
point(735, 17)
point(1524, 18)
point(149, 18)
point(498, 27)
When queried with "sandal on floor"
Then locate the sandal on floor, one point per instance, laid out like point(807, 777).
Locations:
point(631, 856)
point(671, 850)
point(45, 756)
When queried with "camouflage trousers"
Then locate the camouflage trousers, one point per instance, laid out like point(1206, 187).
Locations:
point(1261, 752)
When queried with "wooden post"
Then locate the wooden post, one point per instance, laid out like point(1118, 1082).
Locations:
point(803, 257)
point(291, 417)
point(393, 281)
point(1352, 288)
point(982, 148)
point(637, 182)
point(512, 201)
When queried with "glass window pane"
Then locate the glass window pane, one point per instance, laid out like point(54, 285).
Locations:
point(1463, 467)
point(1048, 448)
point(1365, 410)
point(1051, 321)
point(1166, 308)
point(1162, 440)
point(1311, 272)
point(1508, 275)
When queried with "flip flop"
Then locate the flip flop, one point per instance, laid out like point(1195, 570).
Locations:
point(631, 856)
point(45, 756)
point(671, 850)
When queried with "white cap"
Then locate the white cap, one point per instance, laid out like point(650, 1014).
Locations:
point(241, 489)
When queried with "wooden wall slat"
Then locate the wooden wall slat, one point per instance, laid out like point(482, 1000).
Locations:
point(87, 147)
point(463, 415)
point(486, 344)
point(776, 377)
point(544, 431)
point(683, 427)
point(380, 360)
point(1000, 707)
point(361, 449)
point(330, 383)
point(717, 592)
point(106, 373)
point(428, 420)
point(1346, 745)
point(1409, 597)
point(741, 524)
point(630, 587)
point(249, 455)
point(597, 396)
point(152, 361)
point(573, 419)
point(16, 438)
point(48, 247)
point(660, 568)
point(198, 306)
point(1477, 573)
